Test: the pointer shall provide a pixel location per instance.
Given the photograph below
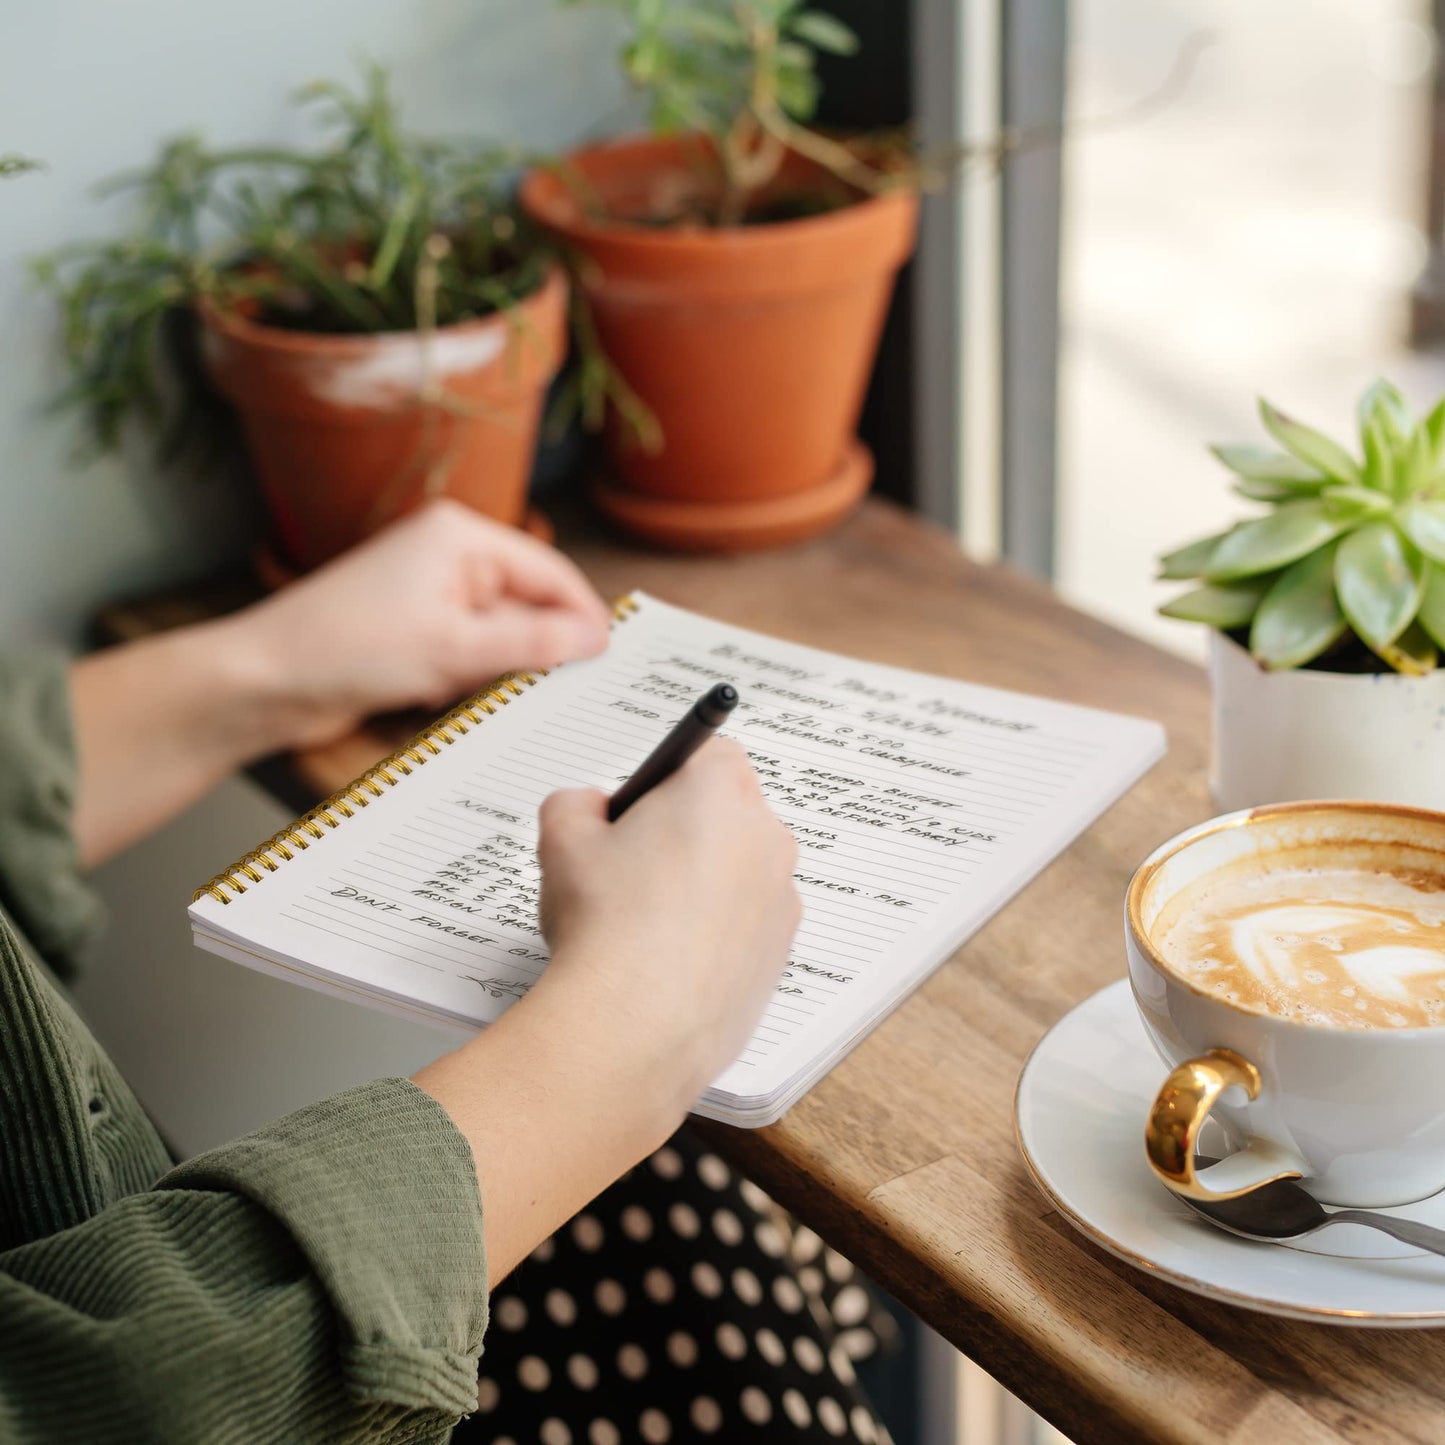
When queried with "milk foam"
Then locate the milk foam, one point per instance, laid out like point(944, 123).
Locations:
point(1346, 947)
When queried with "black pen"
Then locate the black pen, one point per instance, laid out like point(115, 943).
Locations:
point(699, 723)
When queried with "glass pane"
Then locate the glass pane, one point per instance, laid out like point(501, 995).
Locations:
point(1255, 233)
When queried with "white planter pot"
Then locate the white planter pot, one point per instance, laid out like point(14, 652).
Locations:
point(1283, 736)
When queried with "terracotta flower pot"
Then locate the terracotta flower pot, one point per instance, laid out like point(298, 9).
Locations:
point(348, 432)
point(752, 345)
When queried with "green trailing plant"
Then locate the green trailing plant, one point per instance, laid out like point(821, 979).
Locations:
point(372, 230)
point(13, 165)
point(1350, 545)
point(743, 73)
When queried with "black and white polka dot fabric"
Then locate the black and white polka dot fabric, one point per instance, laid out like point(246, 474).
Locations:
point(679, 1307)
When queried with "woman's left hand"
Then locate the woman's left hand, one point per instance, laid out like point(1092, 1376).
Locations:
point(426, 611)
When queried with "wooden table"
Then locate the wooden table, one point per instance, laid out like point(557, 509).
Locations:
point(904, 1157)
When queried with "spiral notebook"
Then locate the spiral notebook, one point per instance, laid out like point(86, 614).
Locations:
point(920, 806)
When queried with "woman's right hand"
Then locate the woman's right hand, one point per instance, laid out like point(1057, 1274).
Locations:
point(669, 928)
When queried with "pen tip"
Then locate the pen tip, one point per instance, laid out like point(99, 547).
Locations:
point(713, 707)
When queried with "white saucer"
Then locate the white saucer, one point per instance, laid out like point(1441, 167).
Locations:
point(1079, 1113)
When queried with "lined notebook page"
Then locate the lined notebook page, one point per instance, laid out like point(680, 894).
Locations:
point(919, 806)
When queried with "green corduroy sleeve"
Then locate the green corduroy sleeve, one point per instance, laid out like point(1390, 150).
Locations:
point(322, 1279)
point(40, 882)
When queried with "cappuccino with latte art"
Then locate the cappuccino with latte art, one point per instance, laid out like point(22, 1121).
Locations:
point(1289, 967)
point(1338, 946)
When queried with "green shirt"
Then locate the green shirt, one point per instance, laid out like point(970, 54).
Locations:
point(319, 1280)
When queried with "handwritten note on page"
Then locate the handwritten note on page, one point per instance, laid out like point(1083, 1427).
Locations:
point(920, 805)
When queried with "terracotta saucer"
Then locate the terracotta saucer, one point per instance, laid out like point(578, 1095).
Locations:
point(740, 526)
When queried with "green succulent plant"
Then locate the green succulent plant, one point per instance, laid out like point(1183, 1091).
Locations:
point(1348, 546)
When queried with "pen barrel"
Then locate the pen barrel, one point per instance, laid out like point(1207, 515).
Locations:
point(698, 724)
point(660, 764)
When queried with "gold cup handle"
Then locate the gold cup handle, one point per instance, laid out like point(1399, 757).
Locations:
point(1171, 1135)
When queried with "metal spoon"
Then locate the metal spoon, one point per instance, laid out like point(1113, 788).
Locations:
point(1283, 1210)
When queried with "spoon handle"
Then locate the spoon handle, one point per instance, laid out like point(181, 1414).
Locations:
point(1422, 1236)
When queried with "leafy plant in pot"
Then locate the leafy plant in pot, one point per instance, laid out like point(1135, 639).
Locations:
point(1329, 613)
point(735, 269)
point(383, 324)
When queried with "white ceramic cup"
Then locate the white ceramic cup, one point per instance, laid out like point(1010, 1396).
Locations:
point(1358, 1115)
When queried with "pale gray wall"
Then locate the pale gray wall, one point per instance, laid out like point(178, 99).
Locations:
point(91, 86)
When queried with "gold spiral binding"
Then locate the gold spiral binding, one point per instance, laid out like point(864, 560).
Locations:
point(374, 782)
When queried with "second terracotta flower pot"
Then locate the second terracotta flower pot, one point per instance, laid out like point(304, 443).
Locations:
point(348, 432)
point(752, 345)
